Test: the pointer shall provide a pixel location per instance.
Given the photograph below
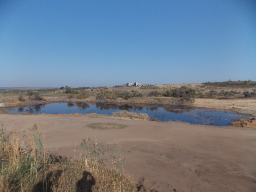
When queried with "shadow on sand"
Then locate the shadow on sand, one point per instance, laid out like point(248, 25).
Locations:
point(47, 184)
point(85, 184)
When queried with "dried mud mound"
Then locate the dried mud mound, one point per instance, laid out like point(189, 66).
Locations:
point(245, 122)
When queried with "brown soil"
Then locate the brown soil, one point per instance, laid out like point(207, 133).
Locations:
point(2, 111)
point(243, 106)
point(170, 156)
point(245, 122)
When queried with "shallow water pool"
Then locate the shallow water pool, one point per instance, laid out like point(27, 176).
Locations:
point(161, 112)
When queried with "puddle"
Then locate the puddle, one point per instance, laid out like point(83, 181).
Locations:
point(161, 112)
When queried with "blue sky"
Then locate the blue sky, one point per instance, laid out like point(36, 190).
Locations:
point(45, 43)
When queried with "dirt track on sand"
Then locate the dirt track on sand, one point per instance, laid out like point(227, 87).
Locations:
point(168, 155)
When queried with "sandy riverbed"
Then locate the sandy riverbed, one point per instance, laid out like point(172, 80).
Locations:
point(167, 155)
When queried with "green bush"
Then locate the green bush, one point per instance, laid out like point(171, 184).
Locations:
point(156, 93)
point(21, 98)
point(181, 93)
point(70, 96)
point(129, 94)
point(106, 95)
point(68, 89)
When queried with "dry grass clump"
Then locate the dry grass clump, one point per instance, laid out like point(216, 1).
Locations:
point(104, 126)
point(131, 115)
point(21, 98)
point(29, 167)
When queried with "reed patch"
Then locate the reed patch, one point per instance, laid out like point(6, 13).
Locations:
point(131, 115)
point(28, 166)
point(103, 126)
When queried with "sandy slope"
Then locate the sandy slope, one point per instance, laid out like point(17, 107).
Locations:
point(168, 155)
point(245, 106)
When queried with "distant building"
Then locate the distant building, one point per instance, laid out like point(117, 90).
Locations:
point(137, 84)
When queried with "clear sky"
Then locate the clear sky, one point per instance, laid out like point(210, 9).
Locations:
point(53, 43)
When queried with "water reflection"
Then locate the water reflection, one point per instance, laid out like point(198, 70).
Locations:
point(137, 107)
point(31, 109)
point(21, 109)
point(82, 106)
point(70, 104)
point(153, 108)
point(160, 112)
point(107, 106)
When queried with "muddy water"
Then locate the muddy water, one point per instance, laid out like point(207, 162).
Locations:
point(161, 112)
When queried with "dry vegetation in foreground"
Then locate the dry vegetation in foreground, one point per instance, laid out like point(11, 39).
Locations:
point(29, 167)
point(131, 115)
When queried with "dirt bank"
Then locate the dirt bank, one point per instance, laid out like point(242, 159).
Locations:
point(243, 106)
point(245, 122)
point(169, 156)
point(2, 111)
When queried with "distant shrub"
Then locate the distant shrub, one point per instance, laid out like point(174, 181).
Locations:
point(212, 93)
point(230, 83)
point(125, 95)
point(200, 95)
point(155, 93)
point(129, 94)
point(37, 97)
point(70, 96)
point(249, 94)
point(20, 98)
point(184, 87)
point(169, 93)
point(79, 97)
point(136, 93)
point(106, 95)
point(148, 87)
point(111, 95)
point(68, 89)
point(100, 96)
point(82, 95)
point(30, 93)
point(180, 93)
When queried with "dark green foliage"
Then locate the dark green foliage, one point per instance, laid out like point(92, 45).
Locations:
point(182, 92)
point(230, 83)
point(129, 94)
point(68, 89)
point(30, 93)
point(20, 98)
point(70, 96)
point(36, 96)
point(155, 93)
point(106, 95)
point(249, 94)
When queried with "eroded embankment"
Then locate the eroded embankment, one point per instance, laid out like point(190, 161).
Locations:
point(245, 122)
